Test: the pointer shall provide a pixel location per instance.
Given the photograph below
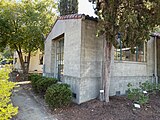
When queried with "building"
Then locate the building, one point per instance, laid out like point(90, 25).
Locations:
point(74, 55)
point(36, 62)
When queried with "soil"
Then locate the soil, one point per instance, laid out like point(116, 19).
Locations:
point(119, 108)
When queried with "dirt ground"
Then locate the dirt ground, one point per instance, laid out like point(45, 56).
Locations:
point(119, 108)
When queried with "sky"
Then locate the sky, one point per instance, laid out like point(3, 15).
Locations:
point(86, 8)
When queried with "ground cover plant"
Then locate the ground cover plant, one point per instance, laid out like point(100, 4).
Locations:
point(7, 110)
point(141, 94)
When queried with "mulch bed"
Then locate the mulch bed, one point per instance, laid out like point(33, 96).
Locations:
point(119, 108)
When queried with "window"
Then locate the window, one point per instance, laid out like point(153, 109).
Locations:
point(40, 59)
point(137, 54)
point(60, 57)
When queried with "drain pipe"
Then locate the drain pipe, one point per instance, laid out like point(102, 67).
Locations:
point(155, 69)
point(102, 75)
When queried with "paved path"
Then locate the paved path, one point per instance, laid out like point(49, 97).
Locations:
point(29, 107)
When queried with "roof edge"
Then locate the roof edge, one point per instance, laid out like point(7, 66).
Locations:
point(77, 16)
point(155, 34)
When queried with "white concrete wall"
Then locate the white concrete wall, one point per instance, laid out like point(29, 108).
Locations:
point(72, 44)
point(91, 61)
point(71, 30)
point(124, 72)
point(83, 53)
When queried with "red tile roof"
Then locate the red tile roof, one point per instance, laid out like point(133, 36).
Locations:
point(77, 16)
point(156, 34)
point(72, 16)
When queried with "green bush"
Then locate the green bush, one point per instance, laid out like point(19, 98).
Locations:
point(58, 95)
point(44, 83)
point(7, 110)
point(149, 87)
point(137, 95)
point(35, 78)
point(41, 83)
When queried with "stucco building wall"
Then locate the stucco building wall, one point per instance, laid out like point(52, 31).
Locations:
point(83, 58)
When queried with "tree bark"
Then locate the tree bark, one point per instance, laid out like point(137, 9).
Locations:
point(28, 61)
point(21, 60)
point(27, 67)
point(24, 68)
point(107, 69)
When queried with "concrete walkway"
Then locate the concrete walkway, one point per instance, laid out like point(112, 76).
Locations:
point(29, 107)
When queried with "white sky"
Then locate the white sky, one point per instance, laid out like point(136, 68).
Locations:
point(86, 8)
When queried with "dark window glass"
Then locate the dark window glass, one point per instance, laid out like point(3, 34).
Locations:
point(60, 57)
point(131, 54)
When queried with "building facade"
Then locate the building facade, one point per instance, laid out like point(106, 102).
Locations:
point(74, 55)
point(36, 62)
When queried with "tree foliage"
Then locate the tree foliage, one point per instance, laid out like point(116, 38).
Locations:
point(24, 25)
point(132, 19)
point(68, 7)
point(7, 110)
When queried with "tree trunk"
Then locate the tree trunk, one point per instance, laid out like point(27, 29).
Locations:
point(24, 68)
point(21, 60)
point(28, 61)
point(107, 69)
point(27, 67)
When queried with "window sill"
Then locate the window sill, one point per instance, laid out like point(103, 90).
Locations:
point(130, 62)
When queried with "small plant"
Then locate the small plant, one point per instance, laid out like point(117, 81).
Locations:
point(137, 95)
point(149, 87)
point(58, 95)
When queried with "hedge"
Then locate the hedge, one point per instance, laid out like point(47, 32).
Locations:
point(44, 84)
point(58, 95)
point(41, 83)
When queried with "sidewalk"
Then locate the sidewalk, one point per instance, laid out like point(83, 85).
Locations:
point(29, 107)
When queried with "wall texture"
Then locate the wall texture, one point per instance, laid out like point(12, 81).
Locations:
point(71, 31)
point(91, 61)
point(83, 58)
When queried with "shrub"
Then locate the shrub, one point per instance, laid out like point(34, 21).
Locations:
point(137, 95)
point(58, 95)
point(149, 87)
point(35, 78)
point(41, 83)
point(7, 110)
point(44, 83)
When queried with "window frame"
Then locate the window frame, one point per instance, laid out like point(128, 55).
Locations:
point(120, 55)
point(60, 57)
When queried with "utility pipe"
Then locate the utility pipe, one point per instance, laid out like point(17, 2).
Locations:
point(155, 69)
